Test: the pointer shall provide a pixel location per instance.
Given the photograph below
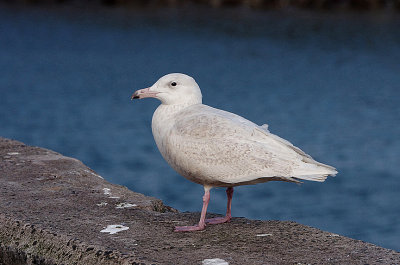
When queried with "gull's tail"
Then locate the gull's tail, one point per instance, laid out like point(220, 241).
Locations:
point(314, 171)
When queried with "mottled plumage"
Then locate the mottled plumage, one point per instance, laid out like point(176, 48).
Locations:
point(216, 148)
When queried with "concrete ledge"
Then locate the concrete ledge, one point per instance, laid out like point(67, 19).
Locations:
point(53, 209)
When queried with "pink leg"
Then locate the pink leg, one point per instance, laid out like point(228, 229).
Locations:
point(227, 218)
point(202, 224)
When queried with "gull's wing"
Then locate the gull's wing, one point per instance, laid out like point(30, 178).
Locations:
point(221, 146)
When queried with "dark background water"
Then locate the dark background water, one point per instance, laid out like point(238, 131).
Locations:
point(329, 83)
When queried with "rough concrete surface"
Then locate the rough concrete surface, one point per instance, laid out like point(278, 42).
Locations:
point(52, 209)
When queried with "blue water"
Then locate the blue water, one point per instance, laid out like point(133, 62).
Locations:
point(329, 83)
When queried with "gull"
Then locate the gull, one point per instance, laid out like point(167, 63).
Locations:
point(216, 148)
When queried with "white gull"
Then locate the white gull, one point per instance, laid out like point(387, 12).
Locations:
point(216, 148)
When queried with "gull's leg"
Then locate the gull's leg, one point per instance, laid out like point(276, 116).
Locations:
point(227, 218)
point(202, 224)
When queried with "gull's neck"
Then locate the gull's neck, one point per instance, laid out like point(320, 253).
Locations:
point(164, 111)
point(163, 119)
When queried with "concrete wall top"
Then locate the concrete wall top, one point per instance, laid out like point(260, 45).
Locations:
point(55, 210)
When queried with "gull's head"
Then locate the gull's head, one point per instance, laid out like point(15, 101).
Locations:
point(172, 89)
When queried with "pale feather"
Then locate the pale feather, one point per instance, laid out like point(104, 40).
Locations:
point(218, 148)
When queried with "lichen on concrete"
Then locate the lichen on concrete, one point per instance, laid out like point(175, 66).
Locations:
point(53, 210)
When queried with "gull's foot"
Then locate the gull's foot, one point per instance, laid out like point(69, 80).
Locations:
point(218, 220)
point(189, 228)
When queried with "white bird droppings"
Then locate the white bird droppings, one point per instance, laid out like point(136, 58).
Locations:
point(264, 235)
point(94, 174)
point(125, 205)
point(107, 191)
point(13, 153)
point(113, 229)
point(102, 204)
point(214, 262)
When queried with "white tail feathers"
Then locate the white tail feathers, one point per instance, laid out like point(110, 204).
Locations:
point(314, 172)
point(319, 178)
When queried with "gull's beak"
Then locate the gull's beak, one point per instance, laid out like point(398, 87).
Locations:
point(144, 93)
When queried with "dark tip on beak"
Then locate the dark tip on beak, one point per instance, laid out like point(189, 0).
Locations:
point(135, 95)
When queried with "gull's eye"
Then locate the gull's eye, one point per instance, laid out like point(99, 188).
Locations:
point(173, 84)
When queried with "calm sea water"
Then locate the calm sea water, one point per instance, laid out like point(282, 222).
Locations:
point(328, 83)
